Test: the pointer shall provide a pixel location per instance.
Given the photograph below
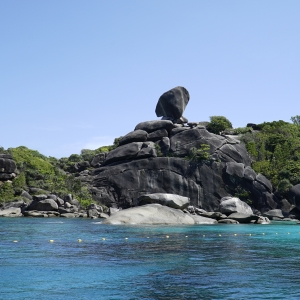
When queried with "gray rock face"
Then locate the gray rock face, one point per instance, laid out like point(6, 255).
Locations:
point(164, 145)
point(150, 126)
point(178, 130)
point(157, 135)
point(135, 150)
point(294, 195)
point(40, 197)
point(7, 164)
point(228, 221)
point(235, 169)
point(172, 103)
point(124, 183)
point(263, 220)
point(134, 136)
point(7, 167)
point(171, 200)
point(67, 215)
point(203, 220)
point(123, 152)
point(264, 181)
point(7, 176)
point(80, 166)
point(182, 142)
point(11, 212)
point(234, 205)
point(44, 205)
point(274, 213)
point(92, 213)
point(151, 214)
point(68, 198)
point(213, 215)
point(133, 169)
point(249, 174)
point(14, 204)
point(243, 218)
point(148, 150)
point(98, 159)
point(235, 153)
point(59, 201)
point(33, 213)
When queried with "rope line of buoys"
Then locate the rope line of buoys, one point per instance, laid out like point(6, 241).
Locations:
point(186, 236)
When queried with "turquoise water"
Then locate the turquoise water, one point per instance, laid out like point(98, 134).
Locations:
point(193, 262)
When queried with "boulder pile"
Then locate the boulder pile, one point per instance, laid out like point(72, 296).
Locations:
point(156, 157)
point(166, 171)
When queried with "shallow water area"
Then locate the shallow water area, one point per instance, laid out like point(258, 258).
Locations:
point(84, 259)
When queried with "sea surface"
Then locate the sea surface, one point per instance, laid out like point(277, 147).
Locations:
point(59, 258)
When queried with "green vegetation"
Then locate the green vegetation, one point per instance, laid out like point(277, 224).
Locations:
point(49, 174)
point(296, 120)
point(199, 154)
point(242, 194)
point(6, 192)
point(275, 150)
point(218, 124)
point(242, 130)
point(158, 150)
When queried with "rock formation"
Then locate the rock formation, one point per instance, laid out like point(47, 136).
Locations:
point(167, 167)
point(172, 104)
point(156, 158)
point(7, 167)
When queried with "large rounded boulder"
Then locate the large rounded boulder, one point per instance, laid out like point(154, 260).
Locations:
point(172, 103)
point(150, 214)
point(231, 205)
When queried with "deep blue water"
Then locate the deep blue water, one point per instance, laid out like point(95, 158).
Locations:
point(194, 262)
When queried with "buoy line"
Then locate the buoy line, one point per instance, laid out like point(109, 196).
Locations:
point(186, 236)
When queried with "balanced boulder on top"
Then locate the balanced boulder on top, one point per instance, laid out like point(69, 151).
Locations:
point(172, 103)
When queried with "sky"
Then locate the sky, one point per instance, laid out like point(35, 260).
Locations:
point(76, 74)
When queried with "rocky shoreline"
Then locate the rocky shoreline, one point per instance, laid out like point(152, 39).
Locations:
point(151, 209)
point(170, 171)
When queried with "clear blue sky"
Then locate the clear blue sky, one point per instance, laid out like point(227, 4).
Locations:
point(77, 74)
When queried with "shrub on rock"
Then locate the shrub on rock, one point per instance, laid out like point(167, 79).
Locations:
point(218, 124)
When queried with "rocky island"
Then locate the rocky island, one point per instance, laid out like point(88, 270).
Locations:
point(167, 171)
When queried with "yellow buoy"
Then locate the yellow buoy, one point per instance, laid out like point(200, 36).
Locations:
point(51, 241)
point(15, 241)
point(235, 234)
point(167, 236)
point(103, 239)
point(79, 240)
